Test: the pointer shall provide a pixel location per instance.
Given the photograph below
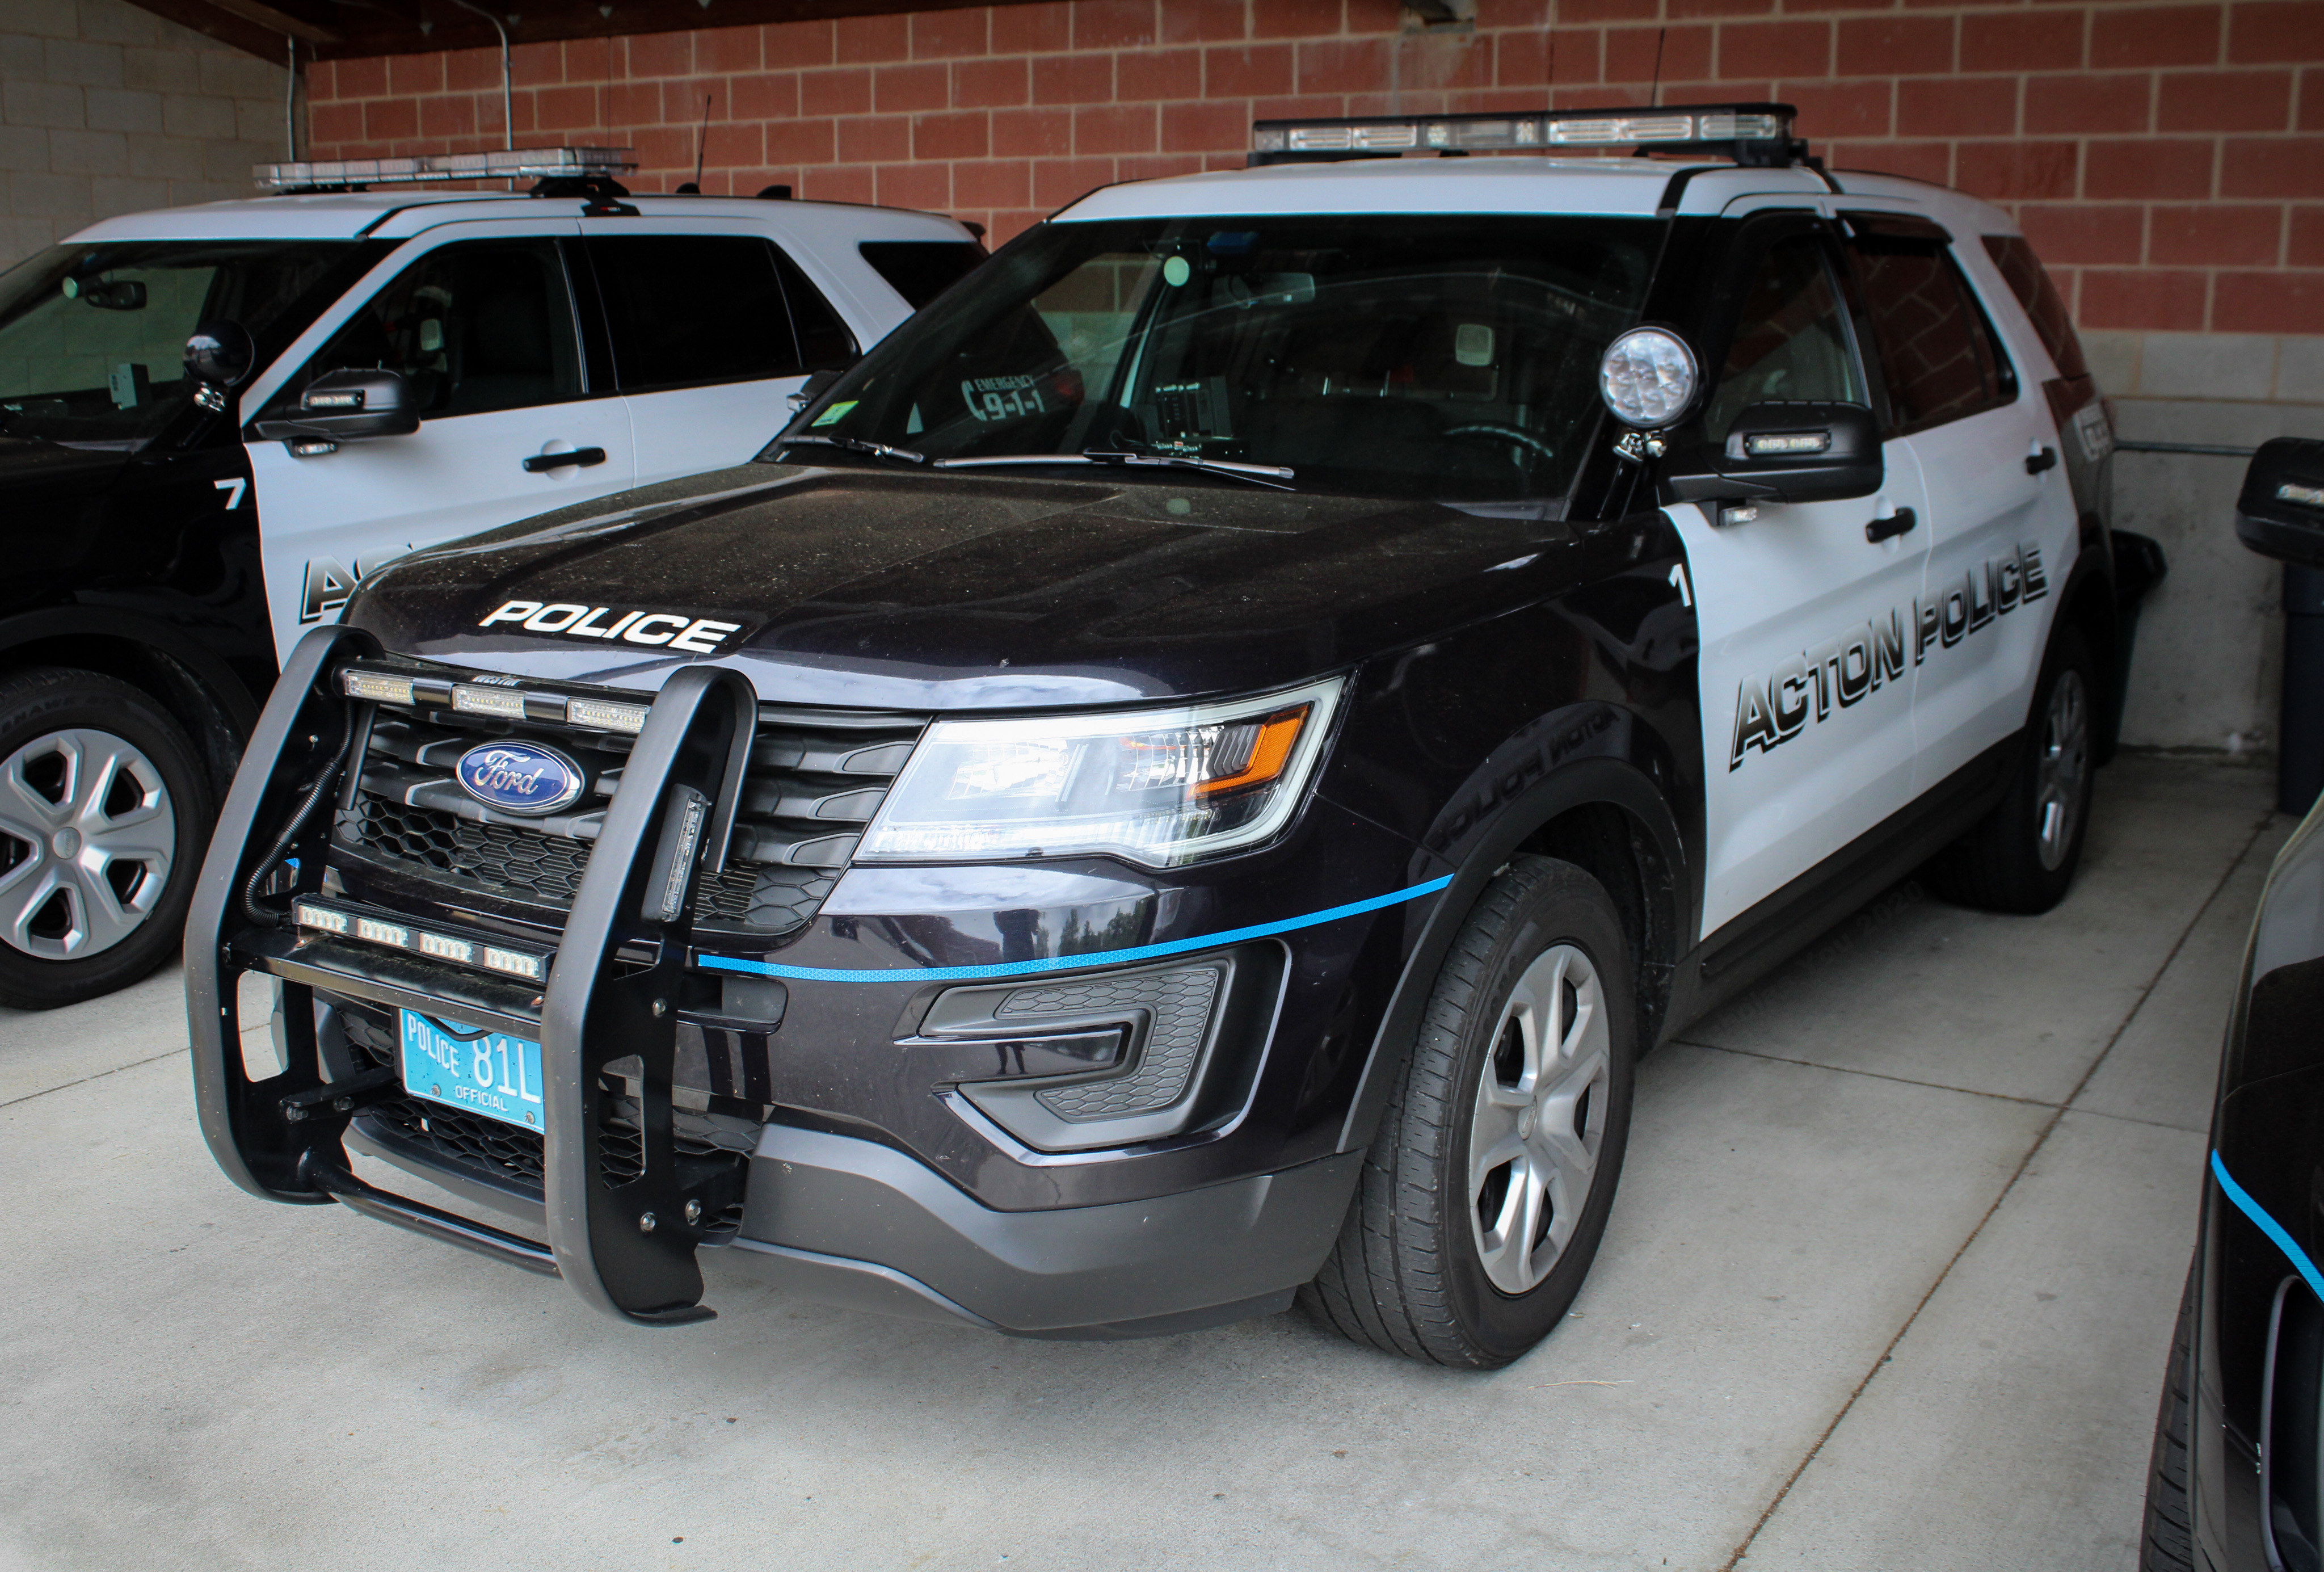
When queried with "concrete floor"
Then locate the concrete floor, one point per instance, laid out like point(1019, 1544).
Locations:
point(1889, 1287)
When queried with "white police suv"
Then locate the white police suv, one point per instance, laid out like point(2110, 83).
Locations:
point(373, 367)
point(1190, 775)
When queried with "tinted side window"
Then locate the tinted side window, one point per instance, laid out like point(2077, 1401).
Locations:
point(2029, 280)
point(690, 309)
point(1938, 354)
point(1790, 340)
point(475, 326)
point(921, 270)
point(824, 343)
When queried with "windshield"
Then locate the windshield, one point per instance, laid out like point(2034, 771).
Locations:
point(1453, 357)
point(93, 338)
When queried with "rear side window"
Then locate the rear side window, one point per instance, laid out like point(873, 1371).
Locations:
point(690, 309)
point(1938, 354)
point(921, 270)
point(824, 343)
point(2029, 280)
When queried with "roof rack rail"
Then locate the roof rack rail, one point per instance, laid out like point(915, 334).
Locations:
point(355, 174)
point(1754, 134)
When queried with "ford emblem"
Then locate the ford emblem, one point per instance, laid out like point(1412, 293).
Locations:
point(520, 777)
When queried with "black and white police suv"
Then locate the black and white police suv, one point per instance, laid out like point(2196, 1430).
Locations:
point(1191, 774)
point(368, 371)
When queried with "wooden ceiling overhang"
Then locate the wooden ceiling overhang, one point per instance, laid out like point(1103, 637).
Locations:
point(341, 29)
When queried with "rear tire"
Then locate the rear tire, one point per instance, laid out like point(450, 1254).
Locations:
point(2021, 857)
point(2168, 1545)
point(104, 817)
point(1486, 1190)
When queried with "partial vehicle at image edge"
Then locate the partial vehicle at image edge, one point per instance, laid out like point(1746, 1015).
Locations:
point(2237, 1478)
point(193, 480)
point(1188, 777)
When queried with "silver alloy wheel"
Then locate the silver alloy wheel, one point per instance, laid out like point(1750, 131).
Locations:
point(2059, 768)
point(1540, 1119)
point(88, 836)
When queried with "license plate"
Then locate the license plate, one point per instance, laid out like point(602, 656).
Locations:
point(486, 1072)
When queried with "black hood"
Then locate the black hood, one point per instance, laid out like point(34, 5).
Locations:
point(928, 591)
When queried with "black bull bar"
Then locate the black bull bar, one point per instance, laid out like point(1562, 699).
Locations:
point(624, 1236)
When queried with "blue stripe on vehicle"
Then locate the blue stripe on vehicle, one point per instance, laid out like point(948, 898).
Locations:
point(2267, 1226)
point(1104, 957)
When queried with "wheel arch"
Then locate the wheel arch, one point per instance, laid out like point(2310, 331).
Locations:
point(199, 689)
point(1606, 816)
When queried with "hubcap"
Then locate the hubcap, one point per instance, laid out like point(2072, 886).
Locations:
point(1540, 1120)
point(86, 839)
point(2059, 768)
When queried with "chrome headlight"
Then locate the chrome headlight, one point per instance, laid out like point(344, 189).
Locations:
point(1157, 786)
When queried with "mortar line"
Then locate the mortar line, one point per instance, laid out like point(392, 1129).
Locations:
point(99, 1076)
point(1842, 1070)
point(2048, 1126)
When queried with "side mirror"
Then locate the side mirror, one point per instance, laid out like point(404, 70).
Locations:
point(220, 354)
point(817, 383)
point(1784, 452)
point(345, 406)
point(2281, 512)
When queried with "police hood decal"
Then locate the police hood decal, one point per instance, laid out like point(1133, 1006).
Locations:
point(655, 629)
point(519, 777)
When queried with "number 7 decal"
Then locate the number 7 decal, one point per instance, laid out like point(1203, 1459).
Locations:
point(1679, 583)
point(233, 489)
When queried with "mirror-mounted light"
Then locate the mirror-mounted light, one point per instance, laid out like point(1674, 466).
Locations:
point(1783, 452)
point(220, 354)
point(1648, 378)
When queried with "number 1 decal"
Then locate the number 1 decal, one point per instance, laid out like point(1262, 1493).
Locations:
point(233, 489)
point(1678, 582)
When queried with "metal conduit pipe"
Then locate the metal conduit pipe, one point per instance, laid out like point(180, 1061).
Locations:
point(508, 109)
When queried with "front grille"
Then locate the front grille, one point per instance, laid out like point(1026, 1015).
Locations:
point(814, 780)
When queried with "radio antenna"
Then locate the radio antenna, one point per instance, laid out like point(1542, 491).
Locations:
point(700, 137)
point(1654, 93)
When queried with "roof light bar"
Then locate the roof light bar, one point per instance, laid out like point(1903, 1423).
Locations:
point(490, 953)
point(523, 164)
point(1751, 131)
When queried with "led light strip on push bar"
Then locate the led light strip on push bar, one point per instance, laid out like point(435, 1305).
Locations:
point(525, 163)
point(492, 698)
point(510, 957)
point(1681, 124)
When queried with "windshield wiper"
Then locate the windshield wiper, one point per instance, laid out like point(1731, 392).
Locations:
point(1274, 477)
point(858, 445)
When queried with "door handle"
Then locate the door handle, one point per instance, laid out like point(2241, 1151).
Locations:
point(578, 458)
point(1897, 523)
point(2040, 459)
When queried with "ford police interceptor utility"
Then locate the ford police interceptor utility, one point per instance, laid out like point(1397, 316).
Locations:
point(369, 372)
point(1190, 776)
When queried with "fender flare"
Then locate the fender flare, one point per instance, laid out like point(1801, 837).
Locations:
point(235, 700)
point(1584, 783)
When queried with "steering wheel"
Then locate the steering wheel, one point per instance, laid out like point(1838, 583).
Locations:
point(1525, 438)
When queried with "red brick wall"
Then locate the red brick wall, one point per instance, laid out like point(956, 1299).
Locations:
point(2167, 158)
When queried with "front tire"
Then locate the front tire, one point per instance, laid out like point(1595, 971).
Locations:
point(1486, 1190)
point(104, 817)
point(2168, 1544)
point(2021, 857)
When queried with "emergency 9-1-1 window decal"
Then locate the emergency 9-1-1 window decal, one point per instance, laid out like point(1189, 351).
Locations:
point(1773, 708)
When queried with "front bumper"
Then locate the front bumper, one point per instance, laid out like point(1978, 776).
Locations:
point(945, 1214)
